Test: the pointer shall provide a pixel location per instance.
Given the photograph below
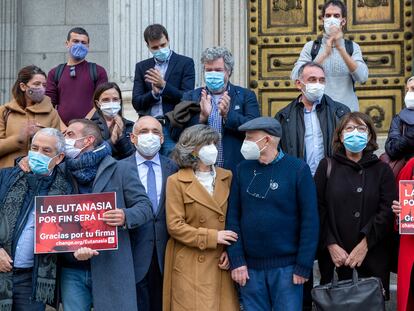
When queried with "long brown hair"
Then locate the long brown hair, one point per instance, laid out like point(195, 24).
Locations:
point(358, 118)
point(24, 76)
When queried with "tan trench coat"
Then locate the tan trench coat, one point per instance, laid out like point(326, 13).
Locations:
point(192, 278)
point(13, 118)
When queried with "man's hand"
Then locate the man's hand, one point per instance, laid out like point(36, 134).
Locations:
point(396, 207)
point(205, 106)
point(154, 77)
point(114, 217)
point(24, 164)
point(240, 275)
point(358, 254)
point(5, 261)
point(224, 104)
point(298, 280)
point(85, 253)
point(338, 254)
point(224, 262)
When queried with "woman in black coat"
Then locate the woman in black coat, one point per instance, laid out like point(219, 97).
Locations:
point(400, 140)
point(114, 128)
point(355, 194)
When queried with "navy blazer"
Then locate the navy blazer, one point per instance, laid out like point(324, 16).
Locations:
point(179, 78)
point(243, 107)
point(154, 232)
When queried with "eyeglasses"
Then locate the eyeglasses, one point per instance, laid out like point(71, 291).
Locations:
point(360, 128)
point(72, 71)
point(256, 183)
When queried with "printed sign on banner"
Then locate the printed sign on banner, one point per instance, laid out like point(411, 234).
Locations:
point(407, 207)
point(65, 223)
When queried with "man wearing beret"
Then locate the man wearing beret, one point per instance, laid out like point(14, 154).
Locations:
point(273, 209)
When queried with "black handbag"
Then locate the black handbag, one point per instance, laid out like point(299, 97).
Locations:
point(365, 294)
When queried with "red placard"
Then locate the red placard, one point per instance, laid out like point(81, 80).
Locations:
point(65, 223)
point(407, 207)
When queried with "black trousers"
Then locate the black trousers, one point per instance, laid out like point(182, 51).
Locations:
point(149, 289)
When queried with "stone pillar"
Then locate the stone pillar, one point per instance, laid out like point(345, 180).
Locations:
point(8, 47)
point(225, 24)
point(127, 22)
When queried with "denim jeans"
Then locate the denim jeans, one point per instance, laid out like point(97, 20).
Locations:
point(76, 288)
point(272, 289)
point(22, 293)
point(168, 144)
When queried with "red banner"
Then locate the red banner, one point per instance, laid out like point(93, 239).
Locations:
point(65, 223)
point(407, 207)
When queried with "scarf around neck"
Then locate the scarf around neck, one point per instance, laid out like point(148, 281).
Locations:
point(85, 167)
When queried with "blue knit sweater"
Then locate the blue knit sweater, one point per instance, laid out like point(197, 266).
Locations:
point(273, 208)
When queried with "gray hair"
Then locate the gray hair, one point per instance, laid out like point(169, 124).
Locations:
point(216, 52)
point(52, 132)
point(308, 64)
point(193, 137)
point(410, 79)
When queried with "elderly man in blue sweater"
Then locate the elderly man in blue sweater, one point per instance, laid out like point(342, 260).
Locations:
point(273, 209)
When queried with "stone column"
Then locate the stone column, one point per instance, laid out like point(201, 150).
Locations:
point(127, 22)
point(225, 24)
point(8, 47)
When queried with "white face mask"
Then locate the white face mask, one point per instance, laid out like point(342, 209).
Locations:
point(70, 150)
point(329, 22)
point(208, 154)
point(314, 91)
point(409, 100)
point(111, 109)
point(250, 150)
point(148, 144)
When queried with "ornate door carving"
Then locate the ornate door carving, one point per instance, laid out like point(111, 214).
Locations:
point(278, 29)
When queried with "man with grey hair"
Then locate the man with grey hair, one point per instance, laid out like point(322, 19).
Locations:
point(310, 120)
point(160, 81)
point(273, 210)
point(28, 280)
point(223, 106)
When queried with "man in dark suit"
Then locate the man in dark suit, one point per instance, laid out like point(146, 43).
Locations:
point(224, 106)
point(161, 81)
point(150, 240)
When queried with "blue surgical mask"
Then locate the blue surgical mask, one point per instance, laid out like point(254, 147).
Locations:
point(78, 51)
point(214, 80)
point(355, 141)
point(161, 54)
point(39, 163)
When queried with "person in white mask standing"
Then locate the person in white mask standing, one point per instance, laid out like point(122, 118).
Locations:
point(310, 120)
point(273, 210)
point(107, 114)
point(149, 241)
point(341, 58)
point(400, 141)
point(196, 275)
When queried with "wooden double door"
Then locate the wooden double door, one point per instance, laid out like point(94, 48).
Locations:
point(278, 30)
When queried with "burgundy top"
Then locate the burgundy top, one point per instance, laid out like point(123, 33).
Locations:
point(73, 95)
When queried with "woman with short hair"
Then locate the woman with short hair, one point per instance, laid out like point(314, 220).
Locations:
point(196, 275)
point(355, 191)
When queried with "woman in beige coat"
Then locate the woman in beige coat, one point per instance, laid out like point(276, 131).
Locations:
point(196, 275)
point(28, 111)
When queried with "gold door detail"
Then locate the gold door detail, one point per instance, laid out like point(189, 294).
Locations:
point(278, 30)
